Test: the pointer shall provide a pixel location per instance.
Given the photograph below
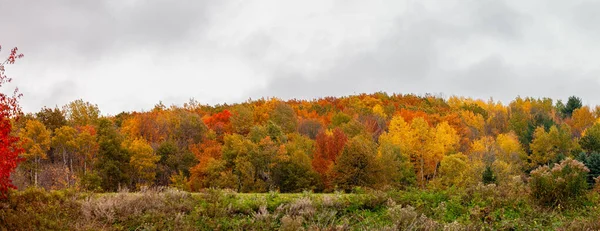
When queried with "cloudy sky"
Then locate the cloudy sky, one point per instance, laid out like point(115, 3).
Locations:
point(130, 54)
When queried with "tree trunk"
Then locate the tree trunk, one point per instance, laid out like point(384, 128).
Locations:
point(70, 170)
point(35, 172)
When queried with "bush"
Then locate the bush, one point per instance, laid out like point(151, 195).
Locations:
point(488, 176)
point(562, 185)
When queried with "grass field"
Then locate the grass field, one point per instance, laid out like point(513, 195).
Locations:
point(483, 207)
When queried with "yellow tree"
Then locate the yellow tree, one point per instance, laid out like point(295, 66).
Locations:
point(510, 149)
point(35, 140)
point(143, 160)
point(426, 146)
point(86, 146)
point(454, 170)
point(80, 113)
point(581, 119)
point(546, 146)
point(483, 149)
point(445, 141)
point(64, 141)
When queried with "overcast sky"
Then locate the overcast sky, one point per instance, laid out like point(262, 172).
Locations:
point(130, 54)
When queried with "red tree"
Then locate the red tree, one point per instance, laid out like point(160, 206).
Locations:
point(328, 148)
point(9, 148)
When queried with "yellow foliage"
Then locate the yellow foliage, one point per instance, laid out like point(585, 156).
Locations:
point(378, 110)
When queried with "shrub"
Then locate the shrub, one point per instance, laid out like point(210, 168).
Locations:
point(488, 176)
point(564, 184)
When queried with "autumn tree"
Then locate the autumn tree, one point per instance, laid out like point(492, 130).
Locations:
point(209, 158)
point(581, 119)
point(328, 147)
point(310, 128)
point(548, 145)
point(35, 140)
point(425, 145)
point(142, 161)
point(86, 146)
point(9, 142)
point(184, 127)
point(219, 122)
point(455, 170)
point(65, 142)
point(81, 113)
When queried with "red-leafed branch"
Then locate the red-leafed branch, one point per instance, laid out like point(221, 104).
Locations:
point(9, 108)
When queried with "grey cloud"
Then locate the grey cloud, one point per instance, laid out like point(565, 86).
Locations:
point(91, 29)
point(409, 59)
point(198, 49)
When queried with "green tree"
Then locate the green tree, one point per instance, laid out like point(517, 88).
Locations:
point(292, 171)
point(113, 161)
point(80, 113)
point(488, 176)
point(285, 117)
point(185, 127)
point(590, 142)
point(396, 168)
point(242, 119)
point(357, 166)
point(51, 118)
point(572, 104)
point(592, 162)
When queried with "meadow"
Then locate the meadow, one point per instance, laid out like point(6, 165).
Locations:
point(482, 207)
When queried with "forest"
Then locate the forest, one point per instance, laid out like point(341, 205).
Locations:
point(549, 151)
point(369, 140)
point(366, 161)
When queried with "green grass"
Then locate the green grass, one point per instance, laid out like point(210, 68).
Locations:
point(478, 208)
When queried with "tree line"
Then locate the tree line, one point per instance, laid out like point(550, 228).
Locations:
point(333, 143)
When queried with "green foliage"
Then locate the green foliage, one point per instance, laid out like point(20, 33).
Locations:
point(285, 117)
point(339, 119)
point(592, 162)
point(275, 132)
point(51, 118)
point(91, 182)
point(357, 166)
point(396, 168)
point(294, 173)
point(242, 119)
point(483, 207)
point(80, 113)
point(572, 104)
point(488, 175)
point(590, 142)
point(113, 161)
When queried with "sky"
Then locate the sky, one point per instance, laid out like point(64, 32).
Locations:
point(126, 55)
